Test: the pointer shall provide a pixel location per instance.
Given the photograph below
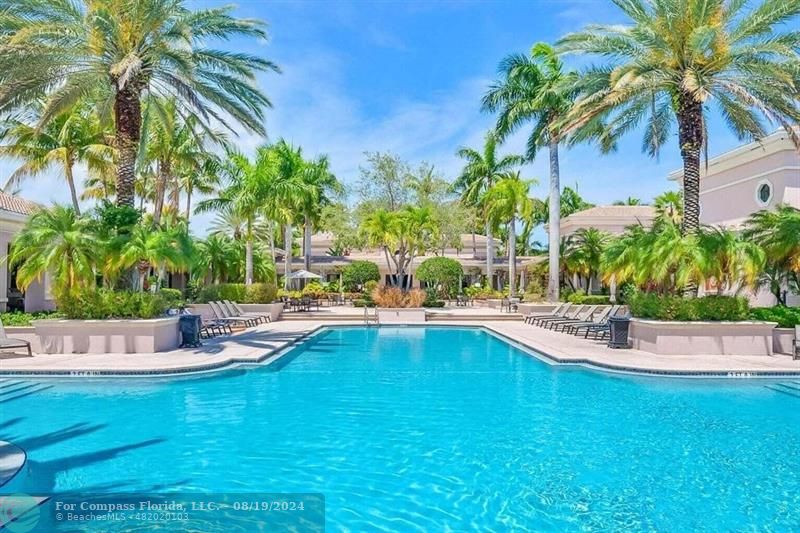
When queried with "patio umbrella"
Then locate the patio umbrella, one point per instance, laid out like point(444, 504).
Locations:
point(303, 275)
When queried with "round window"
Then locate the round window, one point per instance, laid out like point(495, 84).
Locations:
point(764, 193)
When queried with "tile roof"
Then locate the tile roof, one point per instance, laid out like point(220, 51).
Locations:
point(16, 204)
point(617, 211)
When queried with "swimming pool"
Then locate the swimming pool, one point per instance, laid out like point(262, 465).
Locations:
point(425, 428)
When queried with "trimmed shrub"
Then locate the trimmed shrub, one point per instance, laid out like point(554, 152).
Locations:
point(99, 304)
point(654, 306)
point(786, 317)
point(173, 298)
point(416, 298)
point(314, 289)
point(359, 273)
point(431, 300)
point(443, 273)
point(260, 293)
point(15, 318)
point(588, 299)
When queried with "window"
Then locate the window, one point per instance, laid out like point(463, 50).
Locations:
point(763, 193)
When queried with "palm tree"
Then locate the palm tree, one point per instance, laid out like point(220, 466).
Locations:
point(571, 202)
point(71, 138)
point(215, 256)
point(674, 59)
point(482, 170)
point(584, 253)
point(669, 207)
point(60, 242)
point(202, 177)
point(117, 50)
point(536, 88)
point(323, 188)
point(146, 248)
point(729, 259)
point(506, 201)
point(290, 168)
point(778, 232)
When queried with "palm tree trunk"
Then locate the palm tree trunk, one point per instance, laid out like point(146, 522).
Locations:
point(287, 256)
point(71, 182)
point(307, 243)
point(554, 225)
point(128, 124)
point(188, 203)
point(474, 246)
point(248, 254)
point(690, 136)
point(161, 187)
point(512, 257)
point(489, 255)
point(175, 195)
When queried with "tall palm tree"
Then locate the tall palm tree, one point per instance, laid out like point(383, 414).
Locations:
point(674, 59)
point(482, 170)
point(506, 201)
point(202, 178)
point(323, 189)
point(71, 138)
point(117, 50)
point(537, 88)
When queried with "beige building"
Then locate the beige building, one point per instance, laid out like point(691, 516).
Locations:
point(613, 219)
point(471, 254)
point(747, 179)
point(14, 211)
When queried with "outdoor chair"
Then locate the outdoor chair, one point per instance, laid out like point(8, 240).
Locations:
point(600, 320)
point(209, 327)
point(220, 314)
point(461, 300)
point(236, 310)
point(531, 316)
point(6, 343)
point(583, 316)
point(568, 312)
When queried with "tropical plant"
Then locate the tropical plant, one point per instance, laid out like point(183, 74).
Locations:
point(778, 231)
point(118, 50)
point(215, 258)
point(630, 200)
point(584, 253)
point(159, 249)
point(537, 88)
point(358, 273)
point(507, 200)
point(669, 207)
point(675, 58)
point(571, 202)
point(730, 260)
point(482, 170)
point(443, 274)
point(59, 242)
point(74, 137)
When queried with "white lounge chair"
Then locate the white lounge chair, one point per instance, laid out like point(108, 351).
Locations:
point(7, 343)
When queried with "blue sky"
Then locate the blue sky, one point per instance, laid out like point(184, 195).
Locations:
point(407, 77)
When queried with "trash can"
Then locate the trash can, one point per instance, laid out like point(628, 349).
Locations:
point(618, 331)
point(190, 331)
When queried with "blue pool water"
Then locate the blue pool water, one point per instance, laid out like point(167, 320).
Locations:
point(427, 429)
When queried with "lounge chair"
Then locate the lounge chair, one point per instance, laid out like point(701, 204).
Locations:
point(572, 312)
point(222, 315)
point(584, 315)
point(601, 331)
point(597, 320)
point(6, 343)
point(236, 310)
point(210, 327)
point(560, 307)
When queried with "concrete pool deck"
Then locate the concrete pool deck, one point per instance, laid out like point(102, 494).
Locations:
point(262, 344)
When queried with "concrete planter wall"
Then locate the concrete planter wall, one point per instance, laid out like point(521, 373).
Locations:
point(401, 315)
point(782, 340)
point(702, 338)
point(108, 336)
point(274, 310)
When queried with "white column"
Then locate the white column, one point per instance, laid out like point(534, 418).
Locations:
point(612, 289)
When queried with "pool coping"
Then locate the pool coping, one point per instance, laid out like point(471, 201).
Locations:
point(526, 345)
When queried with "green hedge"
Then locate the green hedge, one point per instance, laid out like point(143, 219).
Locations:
point(99, 304)
point(15, 318)
point(786, 317)
point(359, 273)
point(257, 293)
point(647, 305)
point(588, 299)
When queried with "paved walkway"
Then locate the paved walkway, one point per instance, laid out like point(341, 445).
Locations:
point(259, 345)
